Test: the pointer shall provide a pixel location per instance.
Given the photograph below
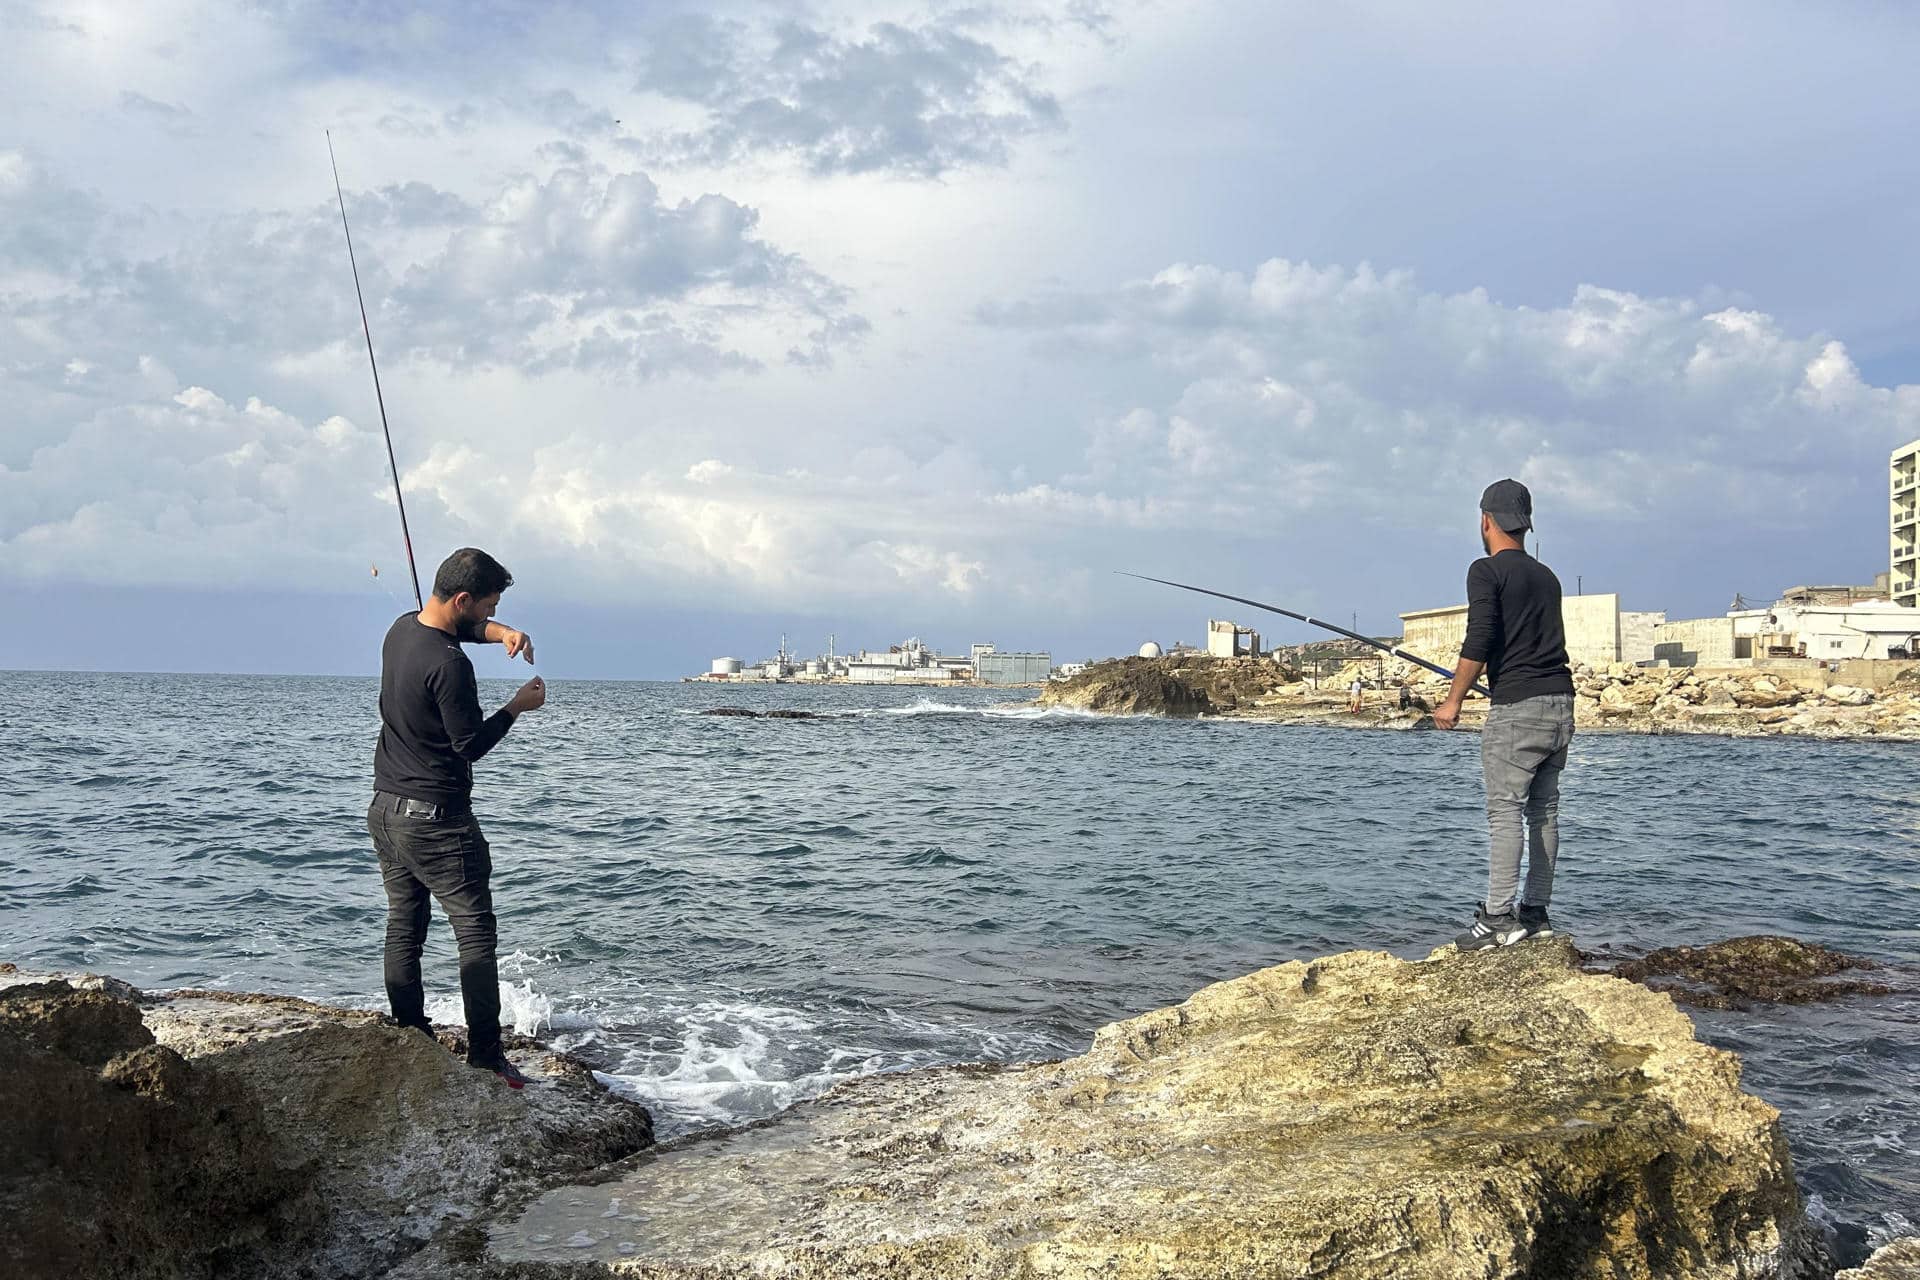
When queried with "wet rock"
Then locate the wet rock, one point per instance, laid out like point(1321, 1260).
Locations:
point(1741, 972)
point(410, 1137)
point(1499, 1114)
point(1897, 1261)
point(731, 711)
point(788, 714)
point(265, 1136)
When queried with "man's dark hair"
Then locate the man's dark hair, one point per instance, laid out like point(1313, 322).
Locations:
point(470, 570)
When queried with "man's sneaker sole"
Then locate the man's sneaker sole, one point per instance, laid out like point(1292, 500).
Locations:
point(1482, 937)
point(505, 1070)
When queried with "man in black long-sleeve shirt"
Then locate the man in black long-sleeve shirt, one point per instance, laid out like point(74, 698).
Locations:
point(421, 818)
point(1516, 636)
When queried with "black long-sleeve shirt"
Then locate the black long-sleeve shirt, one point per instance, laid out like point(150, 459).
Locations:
point(1514, 626)
point(431, 726)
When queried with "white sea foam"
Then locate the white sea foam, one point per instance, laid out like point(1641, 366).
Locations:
point(521, 1008)
point(731, 1062)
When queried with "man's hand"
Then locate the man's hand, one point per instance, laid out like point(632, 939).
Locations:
point(1447, 714)
point(519, 643)
point(532, 696)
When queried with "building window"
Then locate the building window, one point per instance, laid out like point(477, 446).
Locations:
point(1836, 644)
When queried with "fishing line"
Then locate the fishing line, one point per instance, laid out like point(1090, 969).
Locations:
point(1434, 667)
point(367, 329)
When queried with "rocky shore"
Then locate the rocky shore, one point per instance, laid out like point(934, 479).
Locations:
point(1499, 1114)
point(210, 1134)
point(1737, 702)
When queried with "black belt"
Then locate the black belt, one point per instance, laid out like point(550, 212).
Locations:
point(408, 807)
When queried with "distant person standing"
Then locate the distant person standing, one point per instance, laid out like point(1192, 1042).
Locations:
point(1516, 636)
point(421, 818)
point(1356, 693)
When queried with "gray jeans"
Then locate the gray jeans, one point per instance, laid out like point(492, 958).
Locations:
point(1523, 749)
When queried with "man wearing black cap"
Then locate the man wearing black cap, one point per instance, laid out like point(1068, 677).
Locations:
point(1515, 635)
point(432, 729)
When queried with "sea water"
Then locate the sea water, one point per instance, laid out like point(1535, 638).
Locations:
point(727, 915)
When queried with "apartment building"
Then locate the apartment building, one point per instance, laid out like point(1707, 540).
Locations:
point(1905, 531)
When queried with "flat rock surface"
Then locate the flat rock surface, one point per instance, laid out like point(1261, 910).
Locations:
point(1499, 1114)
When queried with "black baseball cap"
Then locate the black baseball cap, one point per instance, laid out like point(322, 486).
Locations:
point(1510, 505)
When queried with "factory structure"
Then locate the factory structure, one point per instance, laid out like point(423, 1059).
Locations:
point(911, 662)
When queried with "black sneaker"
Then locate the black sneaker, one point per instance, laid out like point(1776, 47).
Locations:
point(1535, 919)
point(503, 1067)
point(1502, 930)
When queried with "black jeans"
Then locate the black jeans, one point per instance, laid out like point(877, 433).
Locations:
point(448, 858)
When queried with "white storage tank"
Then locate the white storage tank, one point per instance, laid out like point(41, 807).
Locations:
point(727, 666)
point(1149, 650)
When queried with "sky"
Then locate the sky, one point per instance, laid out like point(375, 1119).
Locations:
point(716, 322)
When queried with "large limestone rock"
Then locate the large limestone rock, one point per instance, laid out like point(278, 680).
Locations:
point(1897, 1261)
point(1499, 1114)
point(1130, 686)
point(210, 1134)
point(118, 1159)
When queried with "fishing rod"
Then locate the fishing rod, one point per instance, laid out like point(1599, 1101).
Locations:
point(373, 364)
point(1434, 667)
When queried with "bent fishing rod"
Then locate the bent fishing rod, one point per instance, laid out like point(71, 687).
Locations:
point(1434, 667)
point(405, 535)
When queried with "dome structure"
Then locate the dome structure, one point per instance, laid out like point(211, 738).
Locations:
point(1149, 650)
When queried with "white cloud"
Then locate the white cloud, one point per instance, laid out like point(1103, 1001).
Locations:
point(1318, 388)
point(916, 98)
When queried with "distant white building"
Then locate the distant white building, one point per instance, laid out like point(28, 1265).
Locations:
point(1904, 493)
point(1823, 631)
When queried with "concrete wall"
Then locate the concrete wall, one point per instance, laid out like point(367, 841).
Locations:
point(1864, 673)
point(1223, 639)
point(1636, 635)
point(1593, 628)
point(1695, 642)
point(1435, 634)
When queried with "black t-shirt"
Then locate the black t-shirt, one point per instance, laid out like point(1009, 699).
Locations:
point(431, 729)
point(1514, 626)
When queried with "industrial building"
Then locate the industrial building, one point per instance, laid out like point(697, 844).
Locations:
point(994, 667)
point(1904, 477)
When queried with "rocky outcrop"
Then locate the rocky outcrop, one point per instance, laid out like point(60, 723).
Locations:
point(1760, 969)
point(780, 713)
point(1183, 685)
point(1498, 1114)
point(119, 1159)
point(1744, 702)
point(1897, 1261)
point(212, 1134)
